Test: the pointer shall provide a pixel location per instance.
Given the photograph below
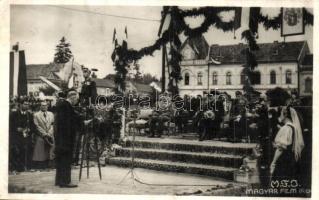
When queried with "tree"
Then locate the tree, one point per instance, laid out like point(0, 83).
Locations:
point(63, 53)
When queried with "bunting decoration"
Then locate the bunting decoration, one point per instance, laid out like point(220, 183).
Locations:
point(173, 24)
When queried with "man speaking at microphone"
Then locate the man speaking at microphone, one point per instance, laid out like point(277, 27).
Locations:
point(67, 122)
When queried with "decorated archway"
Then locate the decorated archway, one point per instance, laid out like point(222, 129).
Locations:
point(173, 24)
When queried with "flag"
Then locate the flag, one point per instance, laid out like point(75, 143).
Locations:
point(126, 41)
point(45, 80)
point(165, 21)
point(71, 81)
point(237, 18)
point(114, 36)
point(71, 76)
point(126, 32)
point(18, 72)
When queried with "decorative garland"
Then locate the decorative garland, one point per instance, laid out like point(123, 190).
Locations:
point(123, 56)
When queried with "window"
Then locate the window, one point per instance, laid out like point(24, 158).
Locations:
point(199, 78)
point(242, 78)
point(215, 80)
point(255, 78)
point(272, 77)
point(186, 79)
point(308, 85)
point(288, 77)
point(228, 78)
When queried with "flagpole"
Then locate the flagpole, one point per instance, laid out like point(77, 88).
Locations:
point(163, 67)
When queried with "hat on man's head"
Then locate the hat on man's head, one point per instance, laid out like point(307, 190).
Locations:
point(86, 70)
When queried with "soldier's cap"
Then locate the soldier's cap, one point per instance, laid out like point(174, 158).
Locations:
point(85, 69)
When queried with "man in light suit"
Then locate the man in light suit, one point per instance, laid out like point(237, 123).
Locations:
point(44, 122)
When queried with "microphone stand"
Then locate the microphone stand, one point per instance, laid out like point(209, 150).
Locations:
point(131, 170)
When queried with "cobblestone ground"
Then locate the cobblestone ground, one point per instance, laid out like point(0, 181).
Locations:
point(158, 183)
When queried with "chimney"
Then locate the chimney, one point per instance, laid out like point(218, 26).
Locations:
point(276, 46)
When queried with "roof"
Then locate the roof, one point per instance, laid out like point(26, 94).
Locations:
point(142, 88)
point(45, 70)
point(268, 52)
point(308, 59)
point(106, 83)
point(199, 45)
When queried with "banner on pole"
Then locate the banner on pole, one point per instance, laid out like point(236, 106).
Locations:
point(292, 22)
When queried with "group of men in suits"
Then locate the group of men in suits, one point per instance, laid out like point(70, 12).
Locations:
point(36, 138)
point(30, 138)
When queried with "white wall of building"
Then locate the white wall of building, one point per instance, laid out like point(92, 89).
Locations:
point(33, 86)
point(104, 91)
point(265, 69)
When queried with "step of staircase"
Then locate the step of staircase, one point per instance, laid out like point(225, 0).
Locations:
point(180, 167)
point(226, 160)
point(211, 158)
point(241, 149)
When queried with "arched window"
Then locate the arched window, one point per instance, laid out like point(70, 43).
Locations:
point(215, 80)
point(308, 85)
point(199, 78)
point(242, 77)
point(228, 78)
point(186, 79)
point(288, 77)
point(255, 78)
point(272, 77)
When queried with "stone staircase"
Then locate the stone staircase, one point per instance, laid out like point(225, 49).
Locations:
point(211, 158)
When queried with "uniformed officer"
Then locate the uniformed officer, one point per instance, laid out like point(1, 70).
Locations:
point(88, 91)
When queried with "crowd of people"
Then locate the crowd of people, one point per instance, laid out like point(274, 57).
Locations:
point(283, 132)
point(36, 128)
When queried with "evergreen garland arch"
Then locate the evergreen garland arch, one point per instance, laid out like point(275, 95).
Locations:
point(123, 56)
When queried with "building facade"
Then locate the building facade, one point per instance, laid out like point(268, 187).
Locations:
point(205, 68)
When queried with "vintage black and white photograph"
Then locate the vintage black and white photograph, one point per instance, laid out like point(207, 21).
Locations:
point(160, 100)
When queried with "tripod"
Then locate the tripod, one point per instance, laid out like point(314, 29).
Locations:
point(131, 170)
point(86, 152)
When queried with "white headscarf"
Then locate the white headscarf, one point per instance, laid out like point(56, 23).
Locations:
point(298, 144)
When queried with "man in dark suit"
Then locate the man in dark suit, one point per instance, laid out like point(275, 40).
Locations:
point(20, 138)
point(67, 122)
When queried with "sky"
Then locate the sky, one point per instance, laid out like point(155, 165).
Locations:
point(89, 30)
